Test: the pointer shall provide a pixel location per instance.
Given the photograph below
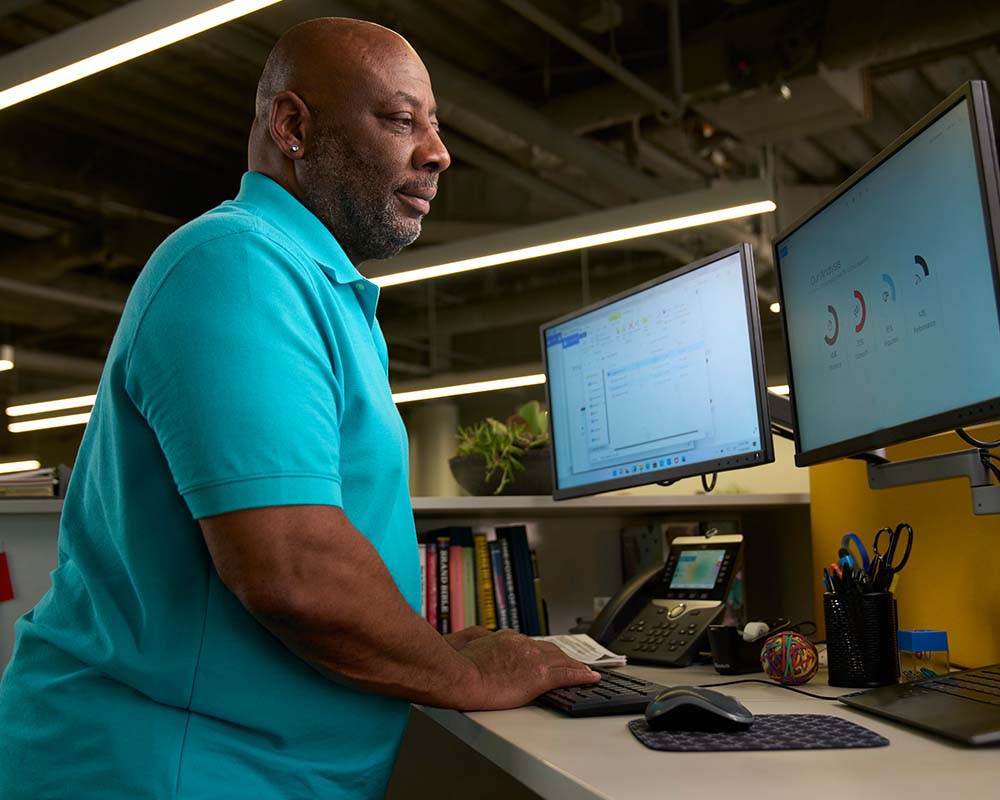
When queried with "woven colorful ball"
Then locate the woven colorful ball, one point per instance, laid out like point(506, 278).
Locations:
point(789, 658)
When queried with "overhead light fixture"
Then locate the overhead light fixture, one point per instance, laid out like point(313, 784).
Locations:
point(775, 308)
point(48, 422)
point(120, 35)
point(672, 213)
point(781, 389)
point(468, 388)
point(18, 466)
point(48, 406)
point(6, 357)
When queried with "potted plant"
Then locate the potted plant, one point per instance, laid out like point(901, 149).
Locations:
point(495, 456)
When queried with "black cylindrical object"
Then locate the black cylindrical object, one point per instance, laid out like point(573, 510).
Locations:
point(861, 639)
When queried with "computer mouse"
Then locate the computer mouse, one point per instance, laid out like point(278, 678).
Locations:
point(688, 708)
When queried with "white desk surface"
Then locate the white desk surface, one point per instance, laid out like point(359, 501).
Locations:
point(598, 757)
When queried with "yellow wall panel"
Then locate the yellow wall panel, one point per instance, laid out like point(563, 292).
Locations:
point(952, 581)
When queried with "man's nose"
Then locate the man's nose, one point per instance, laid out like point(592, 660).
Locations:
point(432, 155)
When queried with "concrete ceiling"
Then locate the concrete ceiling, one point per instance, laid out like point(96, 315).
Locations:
point(550, 108)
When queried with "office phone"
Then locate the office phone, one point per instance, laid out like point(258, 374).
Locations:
point(661, 616)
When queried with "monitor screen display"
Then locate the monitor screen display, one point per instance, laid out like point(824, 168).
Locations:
point(662, 382)
point(889, 299)
point(697, 569)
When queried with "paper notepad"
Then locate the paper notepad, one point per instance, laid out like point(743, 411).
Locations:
point(581, 647)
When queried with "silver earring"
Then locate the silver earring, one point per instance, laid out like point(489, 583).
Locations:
point(295, 148)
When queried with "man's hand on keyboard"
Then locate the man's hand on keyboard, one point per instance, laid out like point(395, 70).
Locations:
point(514, 669)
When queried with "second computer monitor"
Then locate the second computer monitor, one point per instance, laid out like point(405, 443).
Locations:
point(890, 294)
point(662, 382)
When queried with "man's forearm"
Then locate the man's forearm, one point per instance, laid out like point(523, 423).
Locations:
point(355, 625)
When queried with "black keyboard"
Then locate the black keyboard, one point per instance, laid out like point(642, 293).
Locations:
point(974, 684)
point(616, 693)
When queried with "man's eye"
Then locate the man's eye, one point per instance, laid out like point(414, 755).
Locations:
point(402, 122)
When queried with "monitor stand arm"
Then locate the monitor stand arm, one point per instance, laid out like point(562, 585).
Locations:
point(971, 464)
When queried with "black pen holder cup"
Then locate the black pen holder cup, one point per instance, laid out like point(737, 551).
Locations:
point(861, 639)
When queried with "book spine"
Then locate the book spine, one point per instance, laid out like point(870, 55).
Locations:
point(486, 611)
point(524, 586)
point(499, 585)
point(422, 558)
point(469, 574)
point(444, 588)
point(432, 585)
point(543, 617)
point(508, 577)
point(456, 587)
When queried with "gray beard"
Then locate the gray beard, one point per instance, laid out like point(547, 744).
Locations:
point(354, 199)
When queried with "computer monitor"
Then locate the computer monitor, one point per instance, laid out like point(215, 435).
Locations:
point(888, 291)
point(660, 382)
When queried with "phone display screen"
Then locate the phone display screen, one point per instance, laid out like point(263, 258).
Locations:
point(697, 569)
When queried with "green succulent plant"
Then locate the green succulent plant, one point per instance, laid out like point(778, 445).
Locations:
point(502, 443)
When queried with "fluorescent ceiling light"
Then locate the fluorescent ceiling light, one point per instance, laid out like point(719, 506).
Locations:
point(577, 243)
point(6, 364)
point(781, 389)
point(18, 466)
point(48, 422)
point(51, 405)
point(6, 357)
point(775, 308)
point(468, 388)
point(120, 35)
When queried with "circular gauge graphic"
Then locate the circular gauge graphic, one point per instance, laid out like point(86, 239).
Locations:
point(859, 311)
point(832, 327)
point(889, 293)
point(923, 272)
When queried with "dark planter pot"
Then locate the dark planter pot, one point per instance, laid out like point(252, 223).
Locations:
point(535, 478)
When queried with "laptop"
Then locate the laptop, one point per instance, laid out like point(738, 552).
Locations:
point(964, 706)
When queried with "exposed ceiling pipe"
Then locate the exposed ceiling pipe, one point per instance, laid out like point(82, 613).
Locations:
point(552, 26)
point(55, 364)
point(59, 296)
point(676, 64)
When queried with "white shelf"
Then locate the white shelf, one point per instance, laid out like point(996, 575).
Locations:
point(543, 505)
point(41, 505)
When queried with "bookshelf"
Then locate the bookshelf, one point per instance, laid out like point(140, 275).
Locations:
point(577, 542)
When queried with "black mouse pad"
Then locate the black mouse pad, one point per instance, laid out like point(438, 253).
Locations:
point(769, 732)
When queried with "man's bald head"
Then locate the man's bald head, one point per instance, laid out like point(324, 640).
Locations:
point(319, 56)
point(346, 122)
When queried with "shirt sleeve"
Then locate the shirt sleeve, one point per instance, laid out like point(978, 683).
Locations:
point(236, 377)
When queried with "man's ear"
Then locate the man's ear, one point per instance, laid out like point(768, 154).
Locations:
point(290, 124)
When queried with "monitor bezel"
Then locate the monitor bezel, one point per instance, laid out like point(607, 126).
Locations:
point(976, 94)
point(763, 455)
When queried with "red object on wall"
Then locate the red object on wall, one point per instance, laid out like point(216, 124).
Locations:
point(6, 587)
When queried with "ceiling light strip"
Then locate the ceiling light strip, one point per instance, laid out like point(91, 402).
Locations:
point(48, 422)
point(225, 12)
point(18, 466)
point(468, 388)
point(577, 243)
point(51, 405)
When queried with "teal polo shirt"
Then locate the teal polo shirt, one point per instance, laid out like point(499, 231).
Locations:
point(248, 370)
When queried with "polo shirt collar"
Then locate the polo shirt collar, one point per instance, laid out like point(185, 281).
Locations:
point(297, 222)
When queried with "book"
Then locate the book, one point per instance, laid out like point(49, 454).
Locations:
point(516, 537)
point(422, 558)
point(499, 584)
point(486, 611)
point(456, 586)
point(444, 584)
point(543, 614)
point(30, 483)
point(432, 585)
point(469, 574)
point(510, 592)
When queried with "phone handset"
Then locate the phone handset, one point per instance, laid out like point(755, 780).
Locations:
point(626, 604)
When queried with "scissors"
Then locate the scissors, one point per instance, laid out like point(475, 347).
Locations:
point(862, 560)
point(884, 564)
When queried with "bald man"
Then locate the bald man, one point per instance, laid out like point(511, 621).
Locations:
point(234, 614)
